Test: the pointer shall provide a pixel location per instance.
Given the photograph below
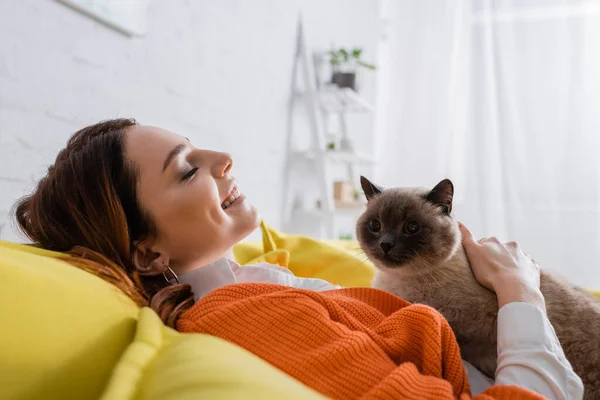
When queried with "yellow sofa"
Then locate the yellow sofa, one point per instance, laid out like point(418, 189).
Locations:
point(67, 334)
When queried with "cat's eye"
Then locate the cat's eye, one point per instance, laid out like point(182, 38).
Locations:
point(374, 226)
point(411, 227)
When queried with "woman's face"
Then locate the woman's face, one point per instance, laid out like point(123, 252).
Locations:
point(191, 196)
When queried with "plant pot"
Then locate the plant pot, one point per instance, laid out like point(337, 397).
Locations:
point(344, 79)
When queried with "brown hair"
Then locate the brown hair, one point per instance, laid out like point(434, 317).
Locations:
point(86, 206)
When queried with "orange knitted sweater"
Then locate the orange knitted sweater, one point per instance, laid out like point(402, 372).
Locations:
point(355, 343)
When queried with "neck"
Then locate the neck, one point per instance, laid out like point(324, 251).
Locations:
point(187, 267)
point(209, 277)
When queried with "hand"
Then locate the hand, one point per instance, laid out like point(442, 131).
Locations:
point(503, 268)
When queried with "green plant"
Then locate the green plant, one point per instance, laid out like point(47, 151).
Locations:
point(344, 59)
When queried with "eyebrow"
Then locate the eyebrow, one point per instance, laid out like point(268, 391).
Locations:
point(172, 154)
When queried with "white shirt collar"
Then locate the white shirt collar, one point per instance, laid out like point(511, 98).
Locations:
point(210, 277)
point(227, 272)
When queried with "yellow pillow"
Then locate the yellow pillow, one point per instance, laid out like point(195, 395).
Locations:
point(67, 334)
point(339, 262)
point(162, 364)
point(63, 329)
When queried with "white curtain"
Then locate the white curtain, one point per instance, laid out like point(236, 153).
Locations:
point(503, 97)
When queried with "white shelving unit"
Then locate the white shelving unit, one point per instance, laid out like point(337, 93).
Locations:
point(344, 100)
point(321, 102)
point(339, 156)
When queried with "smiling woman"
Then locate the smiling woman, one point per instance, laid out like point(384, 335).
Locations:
point(138, 205)
point(189, 193)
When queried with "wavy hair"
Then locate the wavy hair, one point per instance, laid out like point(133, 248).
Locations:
point(86, 206)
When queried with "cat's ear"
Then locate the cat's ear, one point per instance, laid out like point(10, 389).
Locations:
point(369, 188)
point(442, 195)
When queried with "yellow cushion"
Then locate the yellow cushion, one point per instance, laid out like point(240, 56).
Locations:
point(339, 262)
point(162, 364)
point(64, 331)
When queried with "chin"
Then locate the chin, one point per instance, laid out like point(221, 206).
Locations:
point(390, 261)
point(249, 222)
point(254, 217)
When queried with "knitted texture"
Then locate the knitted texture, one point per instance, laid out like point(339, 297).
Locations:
point(354, 343)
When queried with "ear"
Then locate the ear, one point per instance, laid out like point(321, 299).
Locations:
point(149, 262)
point(369, 188)
point(442, 195)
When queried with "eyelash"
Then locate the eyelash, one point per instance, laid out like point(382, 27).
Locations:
point(189, 174)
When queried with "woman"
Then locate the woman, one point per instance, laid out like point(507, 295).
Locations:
point(145, 210)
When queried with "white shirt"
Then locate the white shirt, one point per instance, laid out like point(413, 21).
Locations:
point(529, 354)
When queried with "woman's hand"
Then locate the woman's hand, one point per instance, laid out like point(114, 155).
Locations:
point(503, 268)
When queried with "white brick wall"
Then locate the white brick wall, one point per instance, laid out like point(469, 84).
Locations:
point(216, 71)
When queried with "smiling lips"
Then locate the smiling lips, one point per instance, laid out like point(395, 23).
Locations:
point(233, 196)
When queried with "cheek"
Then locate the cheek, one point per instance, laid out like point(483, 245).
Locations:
point(201, 198)
point(188, 209)
point(428, 242)
point(362, 233)
point(368, 240)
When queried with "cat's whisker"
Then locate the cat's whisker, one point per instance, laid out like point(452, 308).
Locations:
point(428, 282)
point(436, 281)
point(360, 253)
point(429, 270)
point(422, 261)
point(357, 247)
point(430, 274)
point(360, 262)
point(421, 273)
point(358, 259)
point(354, 256)
point(447, 276)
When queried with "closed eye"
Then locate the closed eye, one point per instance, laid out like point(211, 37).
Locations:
point(189, 174)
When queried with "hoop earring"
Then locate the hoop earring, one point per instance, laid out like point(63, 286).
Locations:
point(173, 276)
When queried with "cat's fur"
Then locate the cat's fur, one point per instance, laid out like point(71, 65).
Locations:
point(430, 267)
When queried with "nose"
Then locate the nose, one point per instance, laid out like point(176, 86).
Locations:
point(222, 164)
point(386, 246)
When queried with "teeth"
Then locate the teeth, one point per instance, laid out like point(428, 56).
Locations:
point(231, 199)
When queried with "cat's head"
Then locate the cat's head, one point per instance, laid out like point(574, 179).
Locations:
point(405, 226)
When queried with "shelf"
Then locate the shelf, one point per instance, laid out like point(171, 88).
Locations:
point(355, 157)
point(340, 208)
point(344, 100)
point(355, 205)
point(322, 104)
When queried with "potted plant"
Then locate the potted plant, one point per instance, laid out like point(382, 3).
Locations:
point(344, 64)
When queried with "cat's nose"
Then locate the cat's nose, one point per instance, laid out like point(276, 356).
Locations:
point(386, 246)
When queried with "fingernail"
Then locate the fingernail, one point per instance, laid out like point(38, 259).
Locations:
point(460, 225)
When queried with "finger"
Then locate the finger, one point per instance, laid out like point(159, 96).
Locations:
point(468, 240)
point(483, 240)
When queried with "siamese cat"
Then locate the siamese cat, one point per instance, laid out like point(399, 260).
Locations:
point(411, 237)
